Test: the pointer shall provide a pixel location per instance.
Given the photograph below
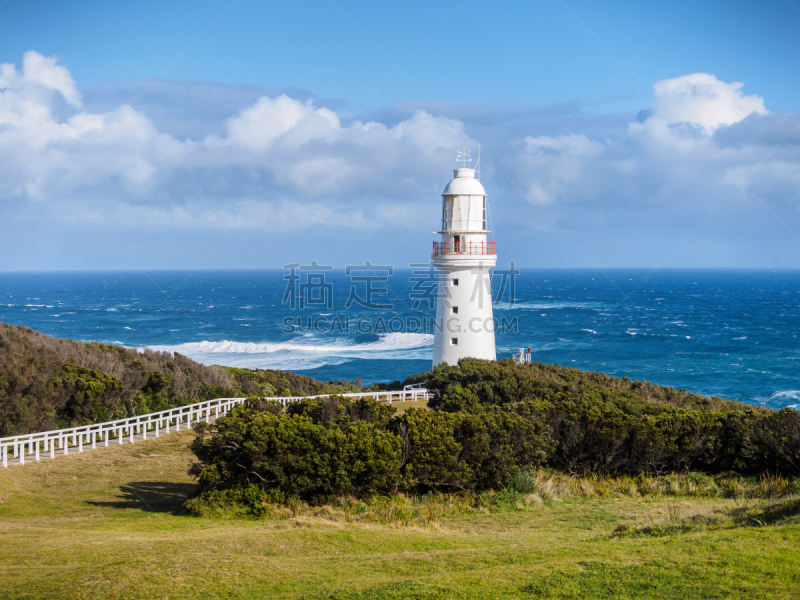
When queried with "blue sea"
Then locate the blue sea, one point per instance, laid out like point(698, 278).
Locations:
point(732, 334)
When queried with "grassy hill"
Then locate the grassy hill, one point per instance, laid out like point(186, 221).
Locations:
point(48, 383)
point(111, 524)
point(115, 522)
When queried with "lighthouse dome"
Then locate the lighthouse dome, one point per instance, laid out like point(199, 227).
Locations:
point(464, 184)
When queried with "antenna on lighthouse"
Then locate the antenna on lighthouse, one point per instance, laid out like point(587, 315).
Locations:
point(463, 156)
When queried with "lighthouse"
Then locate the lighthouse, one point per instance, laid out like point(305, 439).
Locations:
point(463, 255)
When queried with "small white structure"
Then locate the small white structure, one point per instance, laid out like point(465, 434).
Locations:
point(464, 256)
point(522, 356)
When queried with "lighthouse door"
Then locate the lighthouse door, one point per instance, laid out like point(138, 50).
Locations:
point(456, 244)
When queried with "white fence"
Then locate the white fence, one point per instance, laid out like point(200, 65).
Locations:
point(49, 444)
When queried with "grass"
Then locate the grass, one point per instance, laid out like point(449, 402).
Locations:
point(111, 524)
point(404, 406)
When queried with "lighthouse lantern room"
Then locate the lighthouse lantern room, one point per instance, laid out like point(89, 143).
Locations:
point(464, 257)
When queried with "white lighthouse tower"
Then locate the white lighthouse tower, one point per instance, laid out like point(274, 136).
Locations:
point(464, 319)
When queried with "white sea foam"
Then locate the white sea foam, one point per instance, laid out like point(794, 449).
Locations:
point(786, 395)
point(781, 399)
point(304, 354)
point(549, 305)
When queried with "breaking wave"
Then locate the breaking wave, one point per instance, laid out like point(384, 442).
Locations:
point(783, 399)
point(550, 305)
point(305, 353)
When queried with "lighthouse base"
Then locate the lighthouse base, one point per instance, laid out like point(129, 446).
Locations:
point(465, 323)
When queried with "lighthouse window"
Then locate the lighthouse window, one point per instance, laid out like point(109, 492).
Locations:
point(447, 213)
point(454, 341)
point(455, 310)
point(484, 213)
point(455, 281)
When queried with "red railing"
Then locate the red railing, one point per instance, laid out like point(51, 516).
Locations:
point(442, 248)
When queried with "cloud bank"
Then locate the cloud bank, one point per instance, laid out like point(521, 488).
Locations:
point(121, 156)
point(702, 140)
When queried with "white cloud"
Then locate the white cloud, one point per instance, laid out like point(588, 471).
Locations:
point(674, 158)
point(121, 156)
point(701, 142)
point(283, 216)
point(268, 119)
point(687, 110)
point(555, 163)
point(703, 100)
point(43, 71)
point(39, 73)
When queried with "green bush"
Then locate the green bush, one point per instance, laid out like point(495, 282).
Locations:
point(601, 424)
point(431, 452)
point(492, 423)
point(301, 458)
point(343, 411)
point(497, 444)
point(323, 448)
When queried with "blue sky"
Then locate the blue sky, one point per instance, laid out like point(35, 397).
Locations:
point(249, 135)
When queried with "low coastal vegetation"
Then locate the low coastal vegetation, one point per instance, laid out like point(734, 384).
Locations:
point(48, 383)
point(492, 425)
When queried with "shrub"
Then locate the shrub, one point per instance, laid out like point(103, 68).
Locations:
point(467, 451)
point(299, 457)
point(600, 424)
point(496, 444)
point(343, 411)
point(431, 452)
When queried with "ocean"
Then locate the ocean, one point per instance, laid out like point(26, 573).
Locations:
point(732, 334)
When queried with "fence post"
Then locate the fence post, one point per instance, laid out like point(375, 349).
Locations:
point(94, 440)
point(106, 435)
point(80, 442)
point(66, 444)
point(144, 430)
point(37, 450)
point(130, 430)
point(22, 454)
point(5, 456)
point(156, 427)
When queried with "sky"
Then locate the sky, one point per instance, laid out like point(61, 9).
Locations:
point(250, 135)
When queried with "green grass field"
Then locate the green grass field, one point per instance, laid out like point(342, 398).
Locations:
point(110, 524)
